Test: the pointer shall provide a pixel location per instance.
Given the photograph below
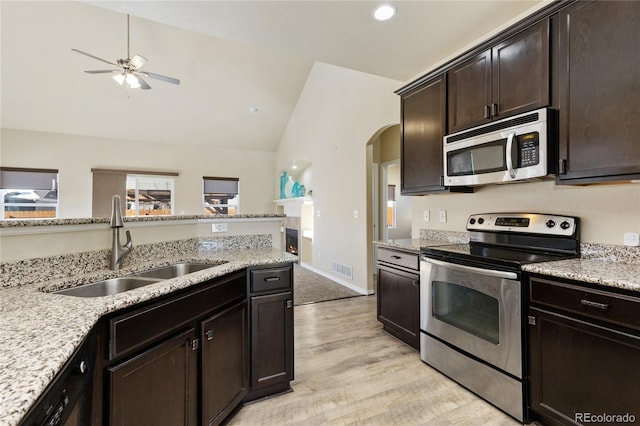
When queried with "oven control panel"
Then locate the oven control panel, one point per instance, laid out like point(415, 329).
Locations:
point(530, 223)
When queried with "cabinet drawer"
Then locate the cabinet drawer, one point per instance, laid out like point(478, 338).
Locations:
point(399, 258)
point(136, 329)
point(610, 307)
point(272, 279)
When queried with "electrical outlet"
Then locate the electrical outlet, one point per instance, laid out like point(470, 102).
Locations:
point(219, 227)
point(426, 216)
point(317, 213)
point(443, 215)
point(632, 239)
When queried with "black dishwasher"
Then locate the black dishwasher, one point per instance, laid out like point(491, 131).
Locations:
point(67, 399)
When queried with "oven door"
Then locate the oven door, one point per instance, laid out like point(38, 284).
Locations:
point(475, 310)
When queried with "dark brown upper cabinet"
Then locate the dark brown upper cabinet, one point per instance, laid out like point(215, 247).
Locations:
point(423, 118)
point(509, 78)
point(599, 92)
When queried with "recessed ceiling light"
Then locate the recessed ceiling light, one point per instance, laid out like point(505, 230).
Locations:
point(384, 12)
point(253, 109)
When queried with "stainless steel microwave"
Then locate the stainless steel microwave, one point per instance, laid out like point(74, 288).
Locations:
point(508, 150)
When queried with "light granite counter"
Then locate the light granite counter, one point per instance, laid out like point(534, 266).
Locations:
point(610, 274)
point(39, 331)
point(428, 238)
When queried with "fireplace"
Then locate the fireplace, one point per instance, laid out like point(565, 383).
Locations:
point(291, 240)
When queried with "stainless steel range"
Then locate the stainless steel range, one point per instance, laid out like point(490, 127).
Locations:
point(472, 300)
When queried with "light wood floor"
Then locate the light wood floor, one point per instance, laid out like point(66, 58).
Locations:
point(350, 372)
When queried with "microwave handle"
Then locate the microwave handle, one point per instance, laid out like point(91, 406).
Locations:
point(507, 154)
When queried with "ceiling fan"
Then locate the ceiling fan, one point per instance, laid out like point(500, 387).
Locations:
point(128, 69)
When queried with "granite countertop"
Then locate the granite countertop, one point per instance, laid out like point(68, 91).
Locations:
point(428, 238)
point(624, 276)
point(39, 331)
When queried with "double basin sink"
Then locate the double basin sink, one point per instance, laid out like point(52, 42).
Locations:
point(118, 285)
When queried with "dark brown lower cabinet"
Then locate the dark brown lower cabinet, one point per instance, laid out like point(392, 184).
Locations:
point(271, 312)
point(398, 294)
point(224, 363)
point(157, 387)
point(582, 370)
point(181, 360)
point(399, 304)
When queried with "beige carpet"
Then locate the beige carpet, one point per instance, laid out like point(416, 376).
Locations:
point(309, 287)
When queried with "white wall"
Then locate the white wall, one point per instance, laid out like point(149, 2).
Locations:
point(606, 211)
point(337, 113)
point(74, 156)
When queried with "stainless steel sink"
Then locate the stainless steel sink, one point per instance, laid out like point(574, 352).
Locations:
point(141, 279)
point(173, 271)
point(108, 287)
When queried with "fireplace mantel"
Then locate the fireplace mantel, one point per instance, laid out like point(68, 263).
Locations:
point(292, 206)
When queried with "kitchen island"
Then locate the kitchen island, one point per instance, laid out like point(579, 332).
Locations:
point(40, 330)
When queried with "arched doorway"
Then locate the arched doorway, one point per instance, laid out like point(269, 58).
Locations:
point(388, 213)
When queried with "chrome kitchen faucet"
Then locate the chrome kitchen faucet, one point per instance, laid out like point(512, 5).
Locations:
point(118, 251)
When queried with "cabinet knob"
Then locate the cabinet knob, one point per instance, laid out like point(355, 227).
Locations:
point(289, 303)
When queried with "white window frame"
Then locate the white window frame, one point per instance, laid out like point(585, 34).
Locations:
point(18, 184)
point(137, 178)
point(224, 181)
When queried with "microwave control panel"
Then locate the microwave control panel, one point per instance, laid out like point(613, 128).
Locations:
point(529, 149)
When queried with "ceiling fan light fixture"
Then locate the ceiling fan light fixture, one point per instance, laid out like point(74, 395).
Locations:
point(119, 78)
point(132, 81)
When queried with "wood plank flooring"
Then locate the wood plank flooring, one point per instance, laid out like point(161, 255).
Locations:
point(350, 372)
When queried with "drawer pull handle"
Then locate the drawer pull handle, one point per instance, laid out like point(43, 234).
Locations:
point(269, 279)
point(591, 304)
point(396, 257)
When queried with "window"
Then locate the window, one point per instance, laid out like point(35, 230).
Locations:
point(29, 193)
point(391, 206)
point(149, 195)
point(220, 195)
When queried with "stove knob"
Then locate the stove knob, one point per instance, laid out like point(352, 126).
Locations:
point(565, 225)
point(472, 221)
point(550, 223)
point(480, 221)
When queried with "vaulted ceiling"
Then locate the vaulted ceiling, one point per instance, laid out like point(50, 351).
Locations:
point(229, 56)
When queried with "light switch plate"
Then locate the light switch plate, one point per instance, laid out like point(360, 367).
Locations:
point(355, 214)
point(219, 227)
point(426, 216)
point(632, 239)
point(443, 215)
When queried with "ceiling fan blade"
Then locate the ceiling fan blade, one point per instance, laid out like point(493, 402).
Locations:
point(138, 61)
point(160, 77)
point(95, 57)
point(102, 71)
point(143, 84)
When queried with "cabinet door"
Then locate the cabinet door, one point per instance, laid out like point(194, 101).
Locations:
point(399, 304)
point(599, 84)
point(224, 362)
point(578, 369)
point(271, 340)
point(521, 72)
point(157, 387)
point(423, 127)
point(469, 96)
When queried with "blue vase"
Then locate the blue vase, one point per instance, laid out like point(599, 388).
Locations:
point(283, 182)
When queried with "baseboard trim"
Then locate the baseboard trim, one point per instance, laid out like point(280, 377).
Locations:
point(337, 280)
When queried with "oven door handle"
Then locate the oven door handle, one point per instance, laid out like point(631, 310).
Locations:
point(507, 154)
point(481, 271)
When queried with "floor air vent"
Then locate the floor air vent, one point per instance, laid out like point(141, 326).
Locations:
point(344, 270)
